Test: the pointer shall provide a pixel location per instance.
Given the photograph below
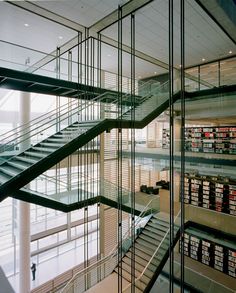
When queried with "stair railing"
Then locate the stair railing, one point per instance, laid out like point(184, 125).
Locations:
point(103, 267)
point(24, 132)
point(148, 103)
point(36, 120)
point(126, 289)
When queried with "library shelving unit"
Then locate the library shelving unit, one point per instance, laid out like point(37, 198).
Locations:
point(165, 138)
point(219, 140)
point(211, 192)
point(211, 247)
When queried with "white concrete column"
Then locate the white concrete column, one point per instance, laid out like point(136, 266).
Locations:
point(177, 81)
point(158, 133)
point(177, 135)
point(24, 116)
point(24, 210)
point(24, 247)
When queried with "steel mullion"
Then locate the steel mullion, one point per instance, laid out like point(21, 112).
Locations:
point(119, 149)
point(133, 152)
point(171, 287)
point(182, 72)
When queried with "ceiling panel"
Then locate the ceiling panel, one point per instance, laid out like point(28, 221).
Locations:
point(85, 12)
point(203, 37)
point(40, 34)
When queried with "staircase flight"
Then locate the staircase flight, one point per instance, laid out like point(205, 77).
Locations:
point(19, 170)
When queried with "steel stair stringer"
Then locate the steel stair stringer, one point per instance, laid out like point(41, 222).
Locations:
point(15, 183)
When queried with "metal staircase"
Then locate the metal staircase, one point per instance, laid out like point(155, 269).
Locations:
point(151, 253)
point(151, 248)
point(19, 170)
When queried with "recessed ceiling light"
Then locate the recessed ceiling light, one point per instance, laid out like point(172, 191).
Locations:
point(26, 24)
point(203, 59)
point(230, 52)
point(155, 72)
point(60, 37)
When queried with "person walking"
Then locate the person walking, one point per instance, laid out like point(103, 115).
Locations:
point(33, 270)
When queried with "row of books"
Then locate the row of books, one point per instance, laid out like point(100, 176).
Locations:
point(213, 193)
point(210, 253)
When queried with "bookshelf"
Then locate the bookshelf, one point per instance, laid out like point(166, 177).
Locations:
point(219, 140)
point(214, 249)
point(165, 138)
point(211, 192)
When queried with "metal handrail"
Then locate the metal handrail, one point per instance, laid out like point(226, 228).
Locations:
point(112, 254)
point(154, 254)
point(33, 120)
point(29, 129)
point(41, 118)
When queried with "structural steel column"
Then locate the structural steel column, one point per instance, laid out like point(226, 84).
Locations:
point(24, 210)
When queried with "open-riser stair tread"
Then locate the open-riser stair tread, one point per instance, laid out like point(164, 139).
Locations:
point(127, 276)
point(32, 153)
point(163, 223)
point(19, 164)
point(159, 227)
point(146, 244)
point(141, 261)
point(25, 159)
point(148, 273)
point(43, 149)
point(127, 268)
point(152, 235)
point(154, 242)
point(146, 254)
point(11, 171)
point(156, 231)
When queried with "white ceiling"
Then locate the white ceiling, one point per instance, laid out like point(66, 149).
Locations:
point(203, 37)
point(85, 12)
point(41, 34)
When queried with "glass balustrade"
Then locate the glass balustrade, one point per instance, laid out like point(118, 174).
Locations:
point(98, 271)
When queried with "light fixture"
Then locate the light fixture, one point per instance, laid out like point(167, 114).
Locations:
point(180, 65)
point(60, 37)
point(155, 72)
point(230, 52)
point(26, 24)
point(203, 59)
